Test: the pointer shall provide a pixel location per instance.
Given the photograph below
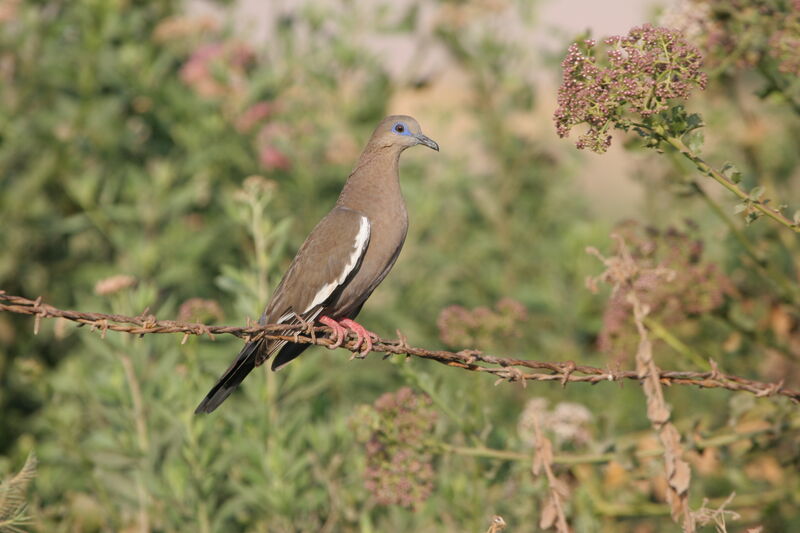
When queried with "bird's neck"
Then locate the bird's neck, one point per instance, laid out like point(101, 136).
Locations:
point(375, 181)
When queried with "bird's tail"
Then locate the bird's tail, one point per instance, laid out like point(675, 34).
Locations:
point(244, 363)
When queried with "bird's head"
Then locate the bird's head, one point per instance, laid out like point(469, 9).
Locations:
point(401, 131)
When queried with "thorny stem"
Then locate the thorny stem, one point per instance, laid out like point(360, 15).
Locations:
point(720, 178)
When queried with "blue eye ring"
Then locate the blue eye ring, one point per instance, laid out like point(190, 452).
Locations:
point(400, 129)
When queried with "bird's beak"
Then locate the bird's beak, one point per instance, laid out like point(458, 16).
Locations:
point(427, 141)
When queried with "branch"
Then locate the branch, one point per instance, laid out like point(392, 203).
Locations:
point(757, 204)
point(505, 368)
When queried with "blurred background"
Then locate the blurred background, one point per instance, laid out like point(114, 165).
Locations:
point(173, 155)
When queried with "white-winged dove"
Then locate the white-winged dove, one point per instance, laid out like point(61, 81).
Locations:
point(342, 260)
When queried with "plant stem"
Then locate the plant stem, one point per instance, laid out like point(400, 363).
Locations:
point(699, 443)
point(428, 388)
point(788, 290)
point(675, 343)
point(778, 86)
point(778, 278)
point(720, 178)
point(141, 437)
point(765, 341)
point(749, 249)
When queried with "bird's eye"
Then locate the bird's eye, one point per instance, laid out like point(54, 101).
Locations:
point(399, 128)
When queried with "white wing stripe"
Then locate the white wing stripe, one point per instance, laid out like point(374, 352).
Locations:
point(362, 238)
point(285, 317)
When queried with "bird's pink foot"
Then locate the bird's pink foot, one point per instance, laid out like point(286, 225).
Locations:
point(339, 332)
point(363, 337)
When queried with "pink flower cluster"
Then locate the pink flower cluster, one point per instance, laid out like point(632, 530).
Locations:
point(399, 469)
point(218, 69)
point(460, 327)
point(784, 44)
point(742, 34)
point(638, 77)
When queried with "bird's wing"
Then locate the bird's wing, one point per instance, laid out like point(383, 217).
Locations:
point(326, 261)
point(330, 256)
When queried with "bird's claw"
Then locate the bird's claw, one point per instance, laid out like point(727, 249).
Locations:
point(363, 338)
point(339, 332)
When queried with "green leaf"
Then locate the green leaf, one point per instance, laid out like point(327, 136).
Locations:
point(694, 121)
point(756, 193)
point(740, 207)
point(730, 171)
point(694, 140)
point(751, 217)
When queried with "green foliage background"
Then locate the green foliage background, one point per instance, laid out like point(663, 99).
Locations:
point(113, 161)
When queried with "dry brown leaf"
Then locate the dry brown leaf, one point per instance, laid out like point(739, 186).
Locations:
point(552, 511)
point(615, 476)
point(659, 487)
point(733, 342)
point(767, 468)
point(780, 321)
point(705, 462)
point(543, 455)
point(678, 472)
point(549, 514)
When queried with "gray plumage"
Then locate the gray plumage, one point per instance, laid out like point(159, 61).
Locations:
point(344, 258)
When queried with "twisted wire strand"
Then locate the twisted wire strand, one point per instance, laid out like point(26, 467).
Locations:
point(504, 368)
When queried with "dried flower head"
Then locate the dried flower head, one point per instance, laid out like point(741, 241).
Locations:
point(114, 284)
point(459, 326)
point(200, 310)
point(624, 80)
point(394, 429)
point(567, 422)
point(668, 274)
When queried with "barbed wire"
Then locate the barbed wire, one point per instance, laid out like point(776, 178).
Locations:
point(504, 368)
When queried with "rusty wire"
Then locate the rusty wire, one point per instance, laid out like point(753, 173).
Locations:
point(504, 368)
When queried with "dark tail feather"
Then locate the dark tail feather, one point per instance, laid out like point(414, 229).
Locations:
point(287, 353)
point(227, 383)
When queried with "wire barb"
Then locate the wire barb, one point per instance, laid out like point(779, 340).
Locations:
point(504, 368)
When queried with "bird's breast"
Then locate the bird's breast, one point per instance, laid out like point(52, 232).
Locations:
point(387, 234)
